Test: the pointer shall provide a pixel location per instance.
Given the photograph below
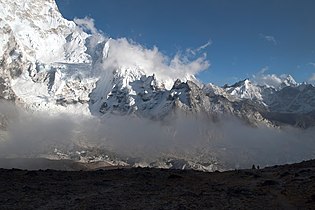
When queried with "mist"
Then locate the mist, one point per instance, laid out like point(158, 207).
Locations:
point(228, 142)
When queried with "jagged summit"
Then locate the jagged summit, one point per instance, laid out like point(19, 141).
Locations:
point(288, 80)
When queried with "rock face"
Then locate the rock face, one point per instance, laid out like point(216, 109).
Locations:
point(50, 64)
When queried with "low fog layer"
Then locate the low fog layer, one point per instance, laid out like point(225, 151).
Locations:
point(229, 141)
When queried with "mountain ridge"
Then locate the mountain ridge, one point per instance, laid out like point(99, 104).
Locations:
point(51, 64)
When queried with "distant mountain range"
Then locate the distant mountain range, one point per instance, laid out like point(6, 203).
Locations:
point(50, 64)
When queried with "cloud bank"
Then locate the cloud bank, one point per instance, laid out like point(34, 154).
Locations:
point(124, 53)
point(229, 141)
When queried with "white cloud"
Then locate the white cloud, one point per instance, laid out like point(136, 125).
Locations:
point(312, 78)
point(263, 70)
point(312, 64)
point(126, 53)
point(272, 80)
point(199, 49)
point(269, 38)
point(87, 24)
point(204, 46)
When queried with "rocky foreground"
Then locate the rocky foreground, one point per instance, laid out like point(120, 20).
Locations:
point(278, 187)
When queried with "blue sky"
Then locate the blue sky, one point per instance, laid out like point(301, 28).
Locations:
point(246, 35)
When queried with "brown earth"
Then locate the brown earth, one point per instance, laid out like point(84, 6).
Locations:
point(278, 187)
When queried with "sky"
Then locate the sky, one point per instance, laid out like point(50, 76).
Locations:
point(240, 38)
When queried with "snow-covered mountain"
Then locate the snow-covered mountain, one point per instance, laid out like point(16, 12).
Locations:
point(290, 97)
point(55, 66)
point(50, 64)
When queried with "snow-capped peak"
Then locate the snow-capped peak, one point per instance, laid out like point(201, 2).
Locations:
point(245, 89)
point(60, 67)
point(274, 81)
point(287, 80)
point(41, 33)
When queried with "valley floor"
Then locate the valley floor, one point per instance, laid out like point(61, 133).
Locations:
point(278, 187)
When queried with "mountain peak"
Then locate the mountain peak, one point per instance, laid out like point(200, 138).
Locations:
point(274, 81)
point(240, 83)
point(288, 80)
point(244, 89)
point(41, 33)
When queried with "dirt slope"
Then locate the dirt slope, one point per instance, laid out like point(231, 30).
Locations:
point(279, 187)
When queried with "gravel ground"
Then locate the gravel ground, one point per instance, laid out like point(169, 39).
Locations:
point(278, 187)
